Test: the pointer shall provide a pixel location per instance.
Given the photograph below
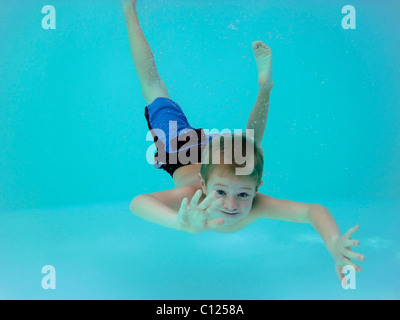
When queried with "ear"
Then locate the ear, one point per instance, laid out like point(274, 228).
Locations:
point(202, 183)
point(261, 183)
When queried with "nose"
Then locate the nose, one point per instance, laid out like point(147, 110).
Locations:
point(230, 204)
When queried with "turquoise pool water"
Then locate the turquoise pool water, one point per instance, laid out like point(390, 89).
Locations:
point(73, 146)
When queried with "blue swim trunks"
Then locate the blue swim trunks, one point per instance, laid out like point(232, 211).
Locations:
point(173, 135)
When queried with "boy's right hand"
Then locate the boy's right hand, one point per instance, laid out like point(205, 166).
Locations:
point(194, 217)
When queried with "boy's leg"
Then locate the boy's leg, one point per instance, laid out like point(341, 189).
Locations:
point(151, 84)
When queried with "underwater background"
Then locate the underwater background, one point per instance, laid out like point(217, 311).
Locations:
point(73, 147)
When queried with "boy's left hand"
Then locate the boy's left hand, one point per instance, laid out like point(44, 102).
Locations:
point(341, 252)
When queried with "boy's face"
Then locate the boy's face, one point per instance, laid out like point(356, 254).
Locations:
point(237, 193)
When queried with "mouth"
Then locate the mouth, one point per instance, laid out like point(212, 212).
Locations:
point(230, 213)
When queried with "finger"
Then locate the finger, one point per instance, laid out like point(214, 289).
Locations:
point(351, 231)
point(343, 281)
point(351, 263)
point(349, 254)
point(351, 243)
point(216, 204)
point(353, 255)
point(209, 199)
point(196, 198)
point(214, 223)
point(184, 205)
point(339, 273)
point(182, 213)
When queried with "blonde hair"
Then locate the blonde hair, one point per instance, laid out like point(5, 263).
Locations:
point(218, 150)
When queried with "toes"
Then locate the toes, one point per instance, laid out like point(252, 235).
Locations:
point(259, 45)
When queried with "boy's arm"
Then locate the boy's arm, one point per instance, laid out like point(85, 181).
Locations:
point(161, 207)
point(339, 246)
point(265, 206)
point(149, 208)
point(172, 209)
point(319, 217)
point(259, 114)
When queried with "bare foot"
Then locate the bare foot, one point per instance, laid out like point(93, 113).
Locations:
point(263, 56)
point(126, 3)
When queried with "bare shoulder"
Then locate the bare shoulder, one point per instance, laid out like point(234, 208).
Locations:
point(265, 206)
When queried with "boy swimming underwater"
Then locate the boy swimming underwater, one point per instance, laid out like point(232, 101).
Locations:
point(209, 195)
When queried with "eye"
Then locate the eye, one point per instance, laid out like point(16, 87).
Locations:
point(243, 195)
point(221, 192)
